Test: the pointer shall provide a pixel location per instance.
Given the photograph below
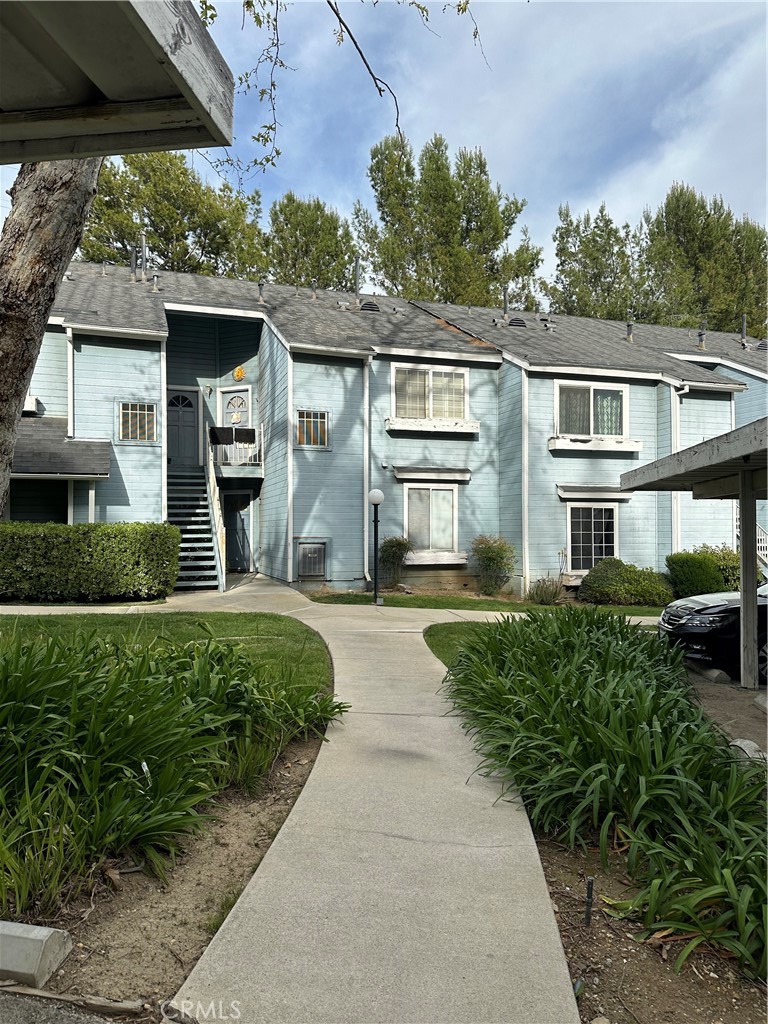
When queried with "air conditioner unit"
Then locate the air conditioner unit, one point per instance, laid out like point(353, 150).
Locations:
point(30, 405)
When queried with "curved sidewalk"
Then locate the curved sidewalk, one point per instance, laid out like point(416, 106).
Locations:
point(398, 890)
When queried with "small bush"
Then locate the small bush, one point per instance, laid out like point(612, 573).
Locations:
point(548, 590)
point(495, 560)
point(392, 552)
point(728, 563)
point(612, 581)
point(694, 572)
point(87, 561)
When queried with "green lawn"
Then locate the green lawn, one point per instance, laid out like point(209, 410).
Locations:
point(270, 637)
point(461, 602)
point(445, 639)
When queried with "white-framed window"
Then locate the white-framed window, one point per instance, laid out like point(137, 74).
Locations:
point(313, 428)
point(137, 421)
point(588, 409)
point(431, 516)
point(592, 534)
point(429, 392)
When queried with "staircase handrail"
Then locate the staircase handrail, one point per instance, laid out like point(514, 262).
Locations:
point(761, 538)
point(219, 533)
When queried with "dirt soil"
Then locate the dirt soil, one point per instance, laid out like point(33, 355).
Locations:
point(138, 937)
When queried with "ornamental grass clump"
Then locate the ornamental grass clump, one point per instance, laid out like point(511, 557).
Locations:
point(111, 747)
point(593, 722)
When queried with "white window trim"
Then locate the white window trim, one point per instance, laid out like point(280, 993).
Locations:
point(591, 504)
point(220, 392)
point(594, 386)
point(454, 488)
point(329, 424)
point(464, 370)
point(119, 403)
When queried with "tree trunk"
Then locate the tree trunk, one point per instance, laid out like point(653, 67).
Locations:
point(51, 201)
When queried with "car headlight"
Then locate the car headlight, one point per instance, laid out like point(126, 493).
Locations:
point(705, 620)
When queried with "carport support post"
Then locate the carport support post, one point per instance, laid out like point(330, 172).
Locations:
point(748, 554)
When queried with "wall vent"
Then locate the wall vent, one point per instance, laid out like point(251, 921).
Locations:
point(311, 560)
point(516, 321)
point(369, 306)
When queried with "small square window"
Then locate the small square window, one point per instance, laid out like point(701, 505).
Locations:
point(138, 421)
point(312, 429)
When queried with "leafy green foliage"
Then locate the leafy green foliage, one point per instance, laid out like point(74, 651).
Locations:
point(592, 722)
point(392, 552)
point(113, 745)
point(728, 562)
point(191, 226)
point(694, 572)
point(612, 581)
point(547, 590)
point(309, 241)
point(495, 560)
point(442, 230)
point(87, 561)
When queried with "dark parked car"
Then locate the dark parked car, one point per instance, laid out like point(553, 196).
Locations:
point(707, 626)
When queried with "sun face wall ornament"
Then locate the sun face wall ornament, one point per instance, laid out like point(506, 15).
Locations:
point(238, 373)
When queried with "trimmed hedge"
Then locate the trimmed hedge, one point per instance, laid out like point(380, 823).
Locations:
point(612, 581)
point(50, 562)
point(694, 572)
point(728, 562)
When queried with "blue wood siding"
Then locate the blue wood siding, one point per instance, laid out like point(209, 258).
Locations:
point(704, 415)
point(49, 379)
point(478, 504)
point(273, 403)
point(751, 404)
point(510, 391)
point(547, 513)
point(107, 372)
point(328, 483)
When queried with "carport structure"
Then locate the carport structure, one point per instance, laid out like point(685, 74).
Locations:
point(732, 466)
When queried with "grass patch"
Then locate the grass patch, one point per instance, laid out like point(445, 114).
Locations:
point(115, 741)
point(222, 912)
point(462, 602)
point(593, 722)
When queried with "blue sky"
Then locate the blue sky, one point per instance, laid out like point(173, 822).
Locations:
point(570, 102)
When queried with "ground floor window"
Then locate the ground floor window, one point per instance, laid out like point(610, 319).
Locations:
point(591, 535)
point(431, 517)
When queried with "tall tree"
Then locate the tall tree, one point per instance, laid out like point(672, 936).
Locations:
point(310, 241)
point(442, 230)
point(190, 225)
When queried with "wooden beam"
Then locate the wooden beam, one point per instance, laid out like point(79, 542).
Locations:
point(728, 486)
point(99, 119)
point(99, 145)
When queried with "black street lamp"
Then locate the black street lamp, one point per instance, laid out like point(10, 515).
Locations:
point(375, 497)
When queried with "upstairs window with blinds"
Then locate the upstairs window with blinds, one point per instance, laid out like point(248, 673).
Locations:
point(138, 421)
point(588, 410)
point(422, 393)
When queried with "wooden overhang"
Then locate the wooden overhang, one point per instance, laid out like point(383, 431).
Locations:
point(730, 466)
point(101, 77)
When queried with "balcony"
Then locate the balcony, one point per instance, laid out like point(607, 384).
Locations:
point(237, 451)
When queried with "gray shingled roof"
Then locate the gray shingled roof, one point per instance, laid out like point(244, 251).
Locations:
point(601, 344)
point(93, 299)
point(43, 448)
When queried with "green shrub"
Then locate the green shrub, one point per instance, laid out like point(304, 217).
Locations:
point(495, 560)
point(612, 581)
point(392, 552)
point(694, 572)
point(548, 590)
point(87, 561)
point(728, 562)
point(113, 746)
point(592, 721)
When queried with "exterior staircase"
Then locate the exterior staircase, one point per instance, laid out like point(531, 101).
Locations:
point(188, 509)
point(762, 543)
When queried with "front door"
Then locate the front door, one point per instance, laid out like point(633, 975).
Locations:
point(183, 447)
point(237, 523)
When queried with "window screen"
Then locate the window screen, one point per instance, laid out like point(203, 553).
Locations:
point(430, 518)
point(448, 395)
point(138, 421)
point(587, 411)
point(411, 393)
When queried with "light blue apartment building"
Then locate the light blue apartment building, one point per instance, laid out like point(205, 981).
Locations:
point(258, 418)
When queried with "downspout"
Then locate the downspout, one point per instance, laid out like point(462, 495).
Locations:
point(289, 472)
point(524, 497)
point(163, 430)
point(677, 400)
point(366, 461)
point(70, 383)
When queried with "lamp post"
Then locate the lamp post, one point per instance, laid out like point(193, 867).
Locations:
point(375, 497)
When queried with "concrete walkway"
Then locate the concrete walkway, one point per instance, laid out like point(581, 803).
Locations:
point(399, 889)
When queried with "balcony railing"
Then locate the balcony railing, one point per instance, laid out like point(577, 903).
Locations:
point(237, 446)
